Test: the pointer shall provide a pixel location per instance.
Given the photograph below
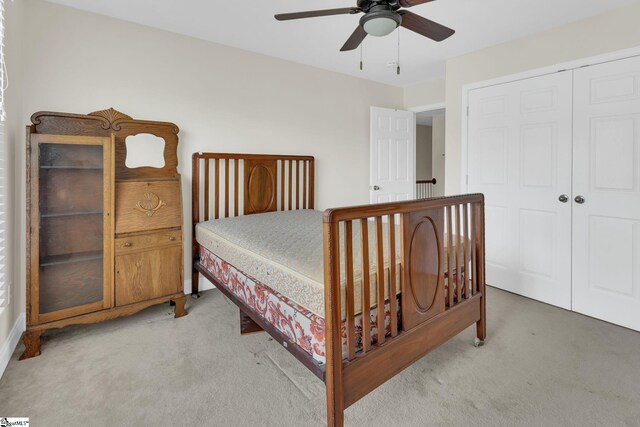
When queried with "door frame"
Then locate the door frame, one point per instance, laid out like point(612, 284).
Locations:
point(430, 107)
point(424, 109)
point(536, 72)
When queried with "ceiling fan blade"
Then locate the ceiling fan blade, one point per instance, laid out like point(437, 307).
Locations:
point(355, 40)
point(424, 26)
point(410, 3)
point(315, 13)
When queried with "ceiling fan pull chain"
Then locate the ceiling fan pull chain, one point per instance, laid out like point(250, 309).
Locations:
point(398, 69)
point(361, 56)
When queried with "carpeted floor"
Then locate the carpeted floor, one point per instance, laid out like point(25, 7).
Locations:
point(541, 366)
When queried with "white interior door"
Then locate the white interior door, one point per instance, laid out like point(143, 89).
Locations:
point(519, 156)
point(393, 155)
point(606, 226)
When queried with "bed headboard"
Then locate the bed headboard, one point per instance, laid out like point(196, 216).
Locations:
point(226, 185)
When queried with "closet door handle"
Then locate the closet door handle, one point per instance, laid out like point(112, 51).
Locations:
point(579, 200)
point(563, 198)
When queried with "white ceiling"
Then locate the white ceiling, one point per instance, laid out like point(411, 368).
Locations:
point(249, 24)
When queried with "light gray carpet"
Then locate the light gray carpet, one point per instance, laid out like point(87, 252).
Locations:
point(541, 366)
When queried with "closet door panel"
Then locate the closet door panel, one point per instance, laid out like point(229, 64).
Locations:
point(519, 156)
point(606, 227)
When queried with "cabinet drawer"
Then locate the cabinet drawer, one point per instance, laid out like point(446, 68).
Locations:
point(146, 275)
point(147, 205)
point(148, 241)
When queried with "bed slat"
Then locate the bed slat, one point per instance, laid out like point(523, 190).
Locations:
point(217, 189)
point(304, 184)
point(351, 315)
point(312, 186)
point(450, 281)
point(465, 216)
point(207, 178)
point(393, 303)
point(474, 258)
point(366, 296)
point(226, 188)
point(380, 281)
point(459, 242)
point(282, 177)
point(290, 199)
point(236, 186)
point(297, 184)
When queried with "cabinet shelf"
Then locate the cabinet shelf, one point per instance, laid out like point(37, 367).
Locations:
point(70, 258)
point(62, 214)
point(73, 167)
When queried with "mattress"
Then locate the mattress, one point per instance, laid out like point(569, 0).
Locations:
point(285, 251)
point(273, 262)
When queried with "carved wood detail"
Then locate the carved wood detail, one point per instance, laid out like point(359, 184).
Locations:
point(111, 121)
point(260, 178)
point(111, 115)
point(150, 204)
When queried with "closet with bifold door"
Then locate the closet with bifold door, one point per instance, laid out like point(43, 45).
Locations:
point(558, 159)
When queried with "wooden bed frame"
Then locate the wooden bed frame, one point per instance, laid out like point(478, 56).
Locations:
point(424, 320)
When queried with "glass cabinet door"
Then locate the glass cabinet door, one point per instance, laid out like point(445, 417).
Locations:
point(71, 226)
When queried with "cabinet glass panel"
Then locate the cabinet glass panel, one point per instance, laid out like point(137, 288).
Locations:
point(71, 209)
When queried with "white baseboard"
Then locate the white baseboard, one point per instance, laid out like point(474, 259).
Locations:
point(11, 343)
point(203, 285)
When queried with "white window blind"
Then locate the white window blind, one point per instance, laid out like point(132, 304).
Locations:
point(4, 290)
point(3, 229)
point(4, 80)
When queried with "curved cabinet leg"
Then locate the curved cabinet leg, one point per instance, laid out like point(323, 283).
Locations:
point(31, 340)
point(179, 308)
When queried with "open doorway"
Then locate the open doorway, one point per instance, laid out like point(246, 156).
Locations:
point(430, 128)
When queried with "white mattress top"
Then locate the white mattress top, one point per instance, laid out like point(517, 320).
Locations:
point(284, 250)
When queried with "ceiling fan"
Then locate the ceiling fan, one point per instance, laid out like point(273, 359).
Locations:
point(380, 18)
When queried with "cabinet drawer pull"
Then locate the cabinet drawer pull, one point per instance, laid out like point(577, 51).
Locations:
point(127, 244)
point(172, 238)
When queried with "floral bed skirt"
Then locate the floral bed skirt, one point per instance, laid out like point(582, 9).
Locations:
point(300, 325)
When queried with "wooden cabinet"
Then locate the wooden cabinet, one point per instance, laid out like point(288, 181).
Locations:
point(103, 240)
point(148, 274)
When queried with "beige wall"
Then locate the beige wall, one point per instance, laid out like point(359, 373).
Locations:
point(14, 139)
point(423, 152)
point(223, 99)
point(608, 32)
point(438, 162)
point(422, 94)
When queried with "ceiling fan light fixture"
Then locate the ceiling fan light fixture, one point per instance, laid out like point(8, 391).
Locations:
point(380, 23)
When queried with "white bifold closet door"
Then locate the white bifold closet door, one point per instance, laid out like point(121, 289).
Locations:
point(606, 174)
point(519, 156)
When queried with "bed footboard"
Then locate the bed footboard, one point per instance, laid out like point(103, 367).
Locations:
point(439, 249)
